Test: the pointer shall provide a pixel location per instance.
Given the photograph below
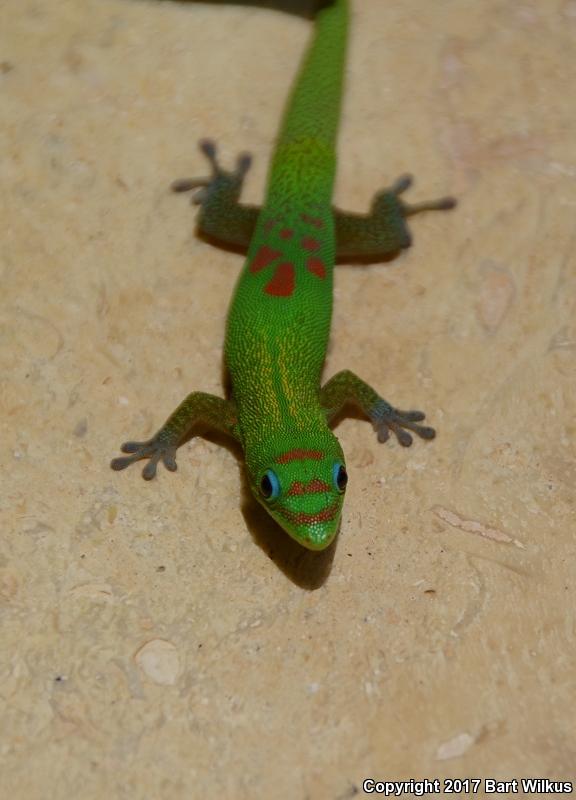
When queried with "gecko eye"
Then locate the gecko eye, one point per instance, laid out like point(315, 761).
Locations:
point(269, 485)
point(340, 476)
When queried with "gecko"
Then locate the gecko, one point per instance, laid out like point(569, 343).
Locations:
point(280, 315)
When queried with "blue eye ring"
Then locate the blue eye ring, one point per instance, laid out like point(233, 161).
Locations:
point(339, 476)
point(269, 485)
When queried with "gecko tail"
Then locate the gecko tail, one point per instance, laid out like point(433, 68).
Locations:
point(313, 109)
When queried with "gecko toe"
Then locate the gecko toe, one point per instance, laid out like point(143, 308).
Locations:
point(441, 204)
point(404, 438)
point(383, 432)
point(445, 203)
point(411, 416)
point(187, 184)
point(121, 463)
point(209, 148)
point(401, 184)
point(424, 432)
point(243, 163)
point(149, 470)
point(133, 447)
point(169, 460)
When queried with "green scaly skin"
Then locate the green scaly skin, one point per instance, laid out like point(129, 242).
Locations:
point(279, 318)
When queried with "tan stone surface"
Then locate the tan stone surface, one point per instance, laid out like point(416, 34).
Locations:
point(150, 646)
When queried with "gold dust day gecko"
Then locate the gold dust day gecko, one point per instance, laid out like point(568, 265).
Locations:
point(279, 318)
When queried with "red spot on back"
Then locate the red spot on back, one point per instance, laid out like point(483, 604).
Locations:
point(316, 267)
point(310, 244)
point(315, 221)
point(286, 233)
point(299, 455)
point(315, 486)
point(282, 283)
point(264, 256)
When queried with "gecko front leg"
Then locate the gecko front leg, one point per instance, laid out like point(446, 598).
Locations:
point(197, 408)
point(347, 388)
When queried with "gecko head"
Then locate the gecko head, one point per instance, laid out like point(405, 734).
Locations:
point(301, 486)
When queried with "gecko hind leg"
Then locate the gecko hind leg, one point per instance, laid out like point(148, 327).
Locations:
point(222, 218)
point(220, 181)
point(389, 211)
point(383, 232)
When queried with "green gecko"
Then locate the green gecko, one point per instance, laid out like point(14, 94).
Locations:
point(279, 319)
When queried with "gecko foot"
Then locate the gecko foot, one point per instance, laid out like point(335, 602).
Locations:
point(409, 209)
point(154, 449)
point(390, 212)
point(220, 179)
point(387, 419)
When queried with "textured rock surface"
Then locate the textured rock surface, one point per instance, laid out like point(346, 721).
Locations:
point(163, 640)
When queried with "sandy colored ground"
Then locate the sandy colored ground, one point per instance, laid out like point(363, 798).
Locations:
point(165, 640)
